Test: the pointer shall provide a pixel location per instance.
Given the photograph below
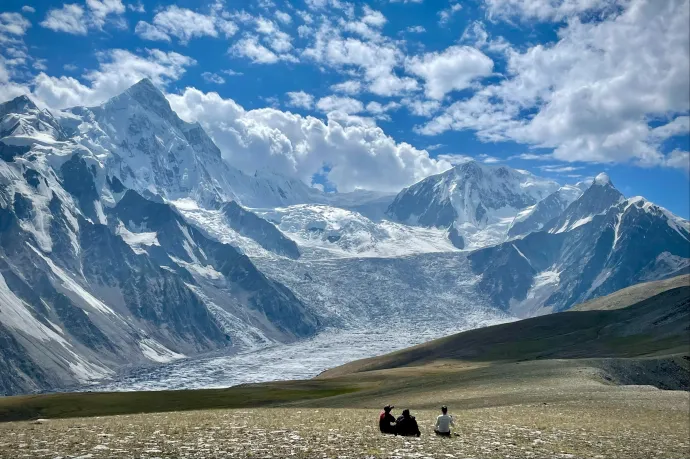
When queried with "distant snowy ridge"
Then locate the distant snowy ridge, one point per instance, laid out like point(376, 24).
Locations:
point(536, 217)
point(477, 202)
point(600, 243)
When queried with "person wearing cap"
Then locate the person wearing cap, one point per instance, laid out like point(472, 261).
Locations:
point(443, 423)
point(406, 425)
point(386, 420)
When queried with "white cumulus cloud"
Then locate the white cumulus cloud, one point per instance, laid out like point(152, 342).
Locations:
point(250, 48)
point(13, 24)
point(357, 154)
point(546, 10)
point(375, 60)
point(101, 9)
point(300, 99)
point(347, 87)
point(593, 91)
point(453, 69)
point(118, 70)
point(69, 19)
point(341, 104)
point(182, 23)
point(77, 19)
point(444, 16)
point(210, 77)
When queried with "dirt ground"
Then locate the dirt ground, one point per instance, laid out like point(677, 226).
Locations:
point(658, 429)
point(541, 409)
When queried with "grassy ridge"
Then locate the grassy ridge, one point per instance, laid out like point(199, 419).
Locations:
point(78, 404)
point(656, 326)
point(633, 294)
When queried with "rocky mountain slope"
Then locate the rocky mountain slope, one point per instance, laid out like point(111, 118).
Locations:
point(127, 241)
point(601, 243)
point(94, 276)
point(535, 217)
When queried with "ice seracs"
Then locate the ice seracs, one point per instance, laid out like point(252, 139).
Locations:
point(328, 231)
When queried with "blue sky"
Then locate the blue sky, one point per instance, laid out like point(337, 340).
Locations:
point(381, 94)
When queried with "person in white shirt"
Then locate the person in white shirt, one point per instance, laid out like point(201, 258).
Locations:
point(443, 423)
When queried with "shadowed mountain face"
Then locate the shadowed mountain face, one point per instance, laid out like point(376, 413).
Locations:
point(545, 211)
point(81, 298)
point(266, 234)
point(180, 245)
point(468, 193)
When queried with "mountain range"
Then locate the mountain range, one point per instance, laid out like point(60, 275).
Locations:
point(128, 241)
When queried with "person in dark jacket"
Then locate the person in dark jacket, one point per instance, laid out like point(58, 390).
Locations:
point(406, 425)
point(386, 420)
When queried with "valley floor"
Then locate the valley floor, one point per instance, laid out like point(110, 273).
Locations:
point(656, 428)
point(542, 409)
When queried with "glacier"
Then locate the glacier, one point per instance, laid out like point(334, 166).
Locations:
point(133, 256)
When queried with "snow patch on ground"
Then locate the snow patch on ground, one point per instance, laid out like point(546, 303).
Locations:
point(582, 221)
point(206, 271)
point(71, 285)
point(137, 240)
point(99, 212)
point(522, 254)
point(155, 351)
point(545, 284)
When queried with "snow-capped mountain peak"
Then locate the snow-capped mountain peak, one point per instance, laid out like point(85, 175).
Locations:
point(143, 142)
point(148, 97)
point(23, 123)
point(603, 179)
point(640, 204)
point(596, 200)
point(479, 201)
point(20, 104)
point(146, 92)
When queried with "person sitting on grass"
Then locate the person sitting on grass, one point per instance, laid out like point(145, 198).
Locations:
point(406, 425)
point(386, 420)
point(443, 423)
